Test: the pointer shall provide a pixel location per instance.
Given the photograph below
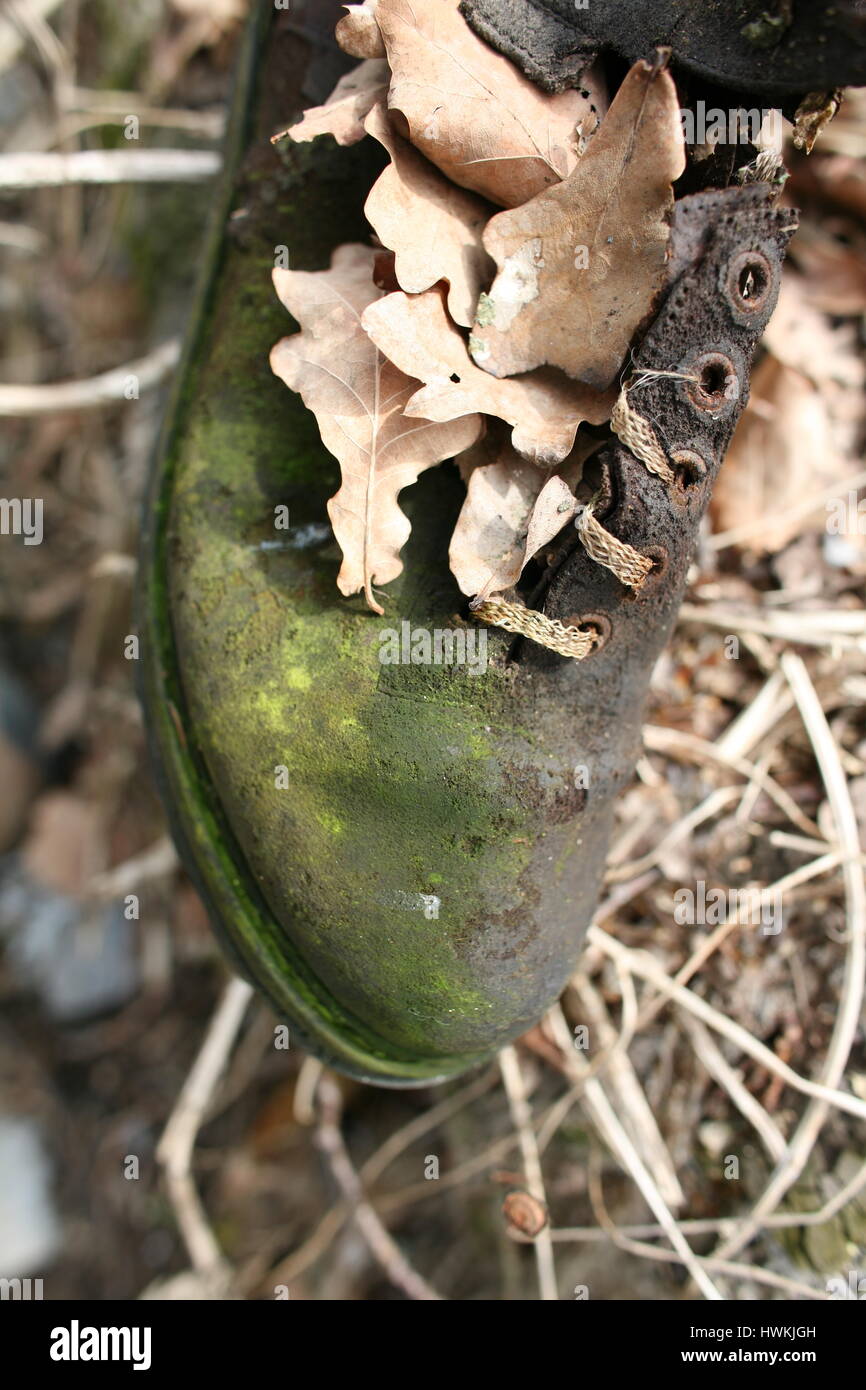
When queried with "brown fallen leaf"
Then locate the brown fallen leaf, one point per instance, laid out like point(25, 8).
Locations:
point(358, 33)
point(802, 337)
point(488, 547)
point(433, 226)
point(846, 134)
point(346, 109)
point(512, 510)
point(839, 181)
point(834, 270)
point(472, 112)
point(358, 399)
point(581, 265)
point(554, 506)
point(544, 409)
point(814, 113)
point(782, 450)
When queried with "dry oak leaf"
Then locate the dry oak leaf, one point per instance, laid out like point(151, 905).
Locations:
point(472, 112)
point(512, 510)
point(554, 506)
point(358, 398)
point(800, 336)
point(782, 451)
point(834, 271)
point(346, 109)
point(434, 227)
point(581, 265)
point(544, 409)
point(358, 33)
point(488, 547)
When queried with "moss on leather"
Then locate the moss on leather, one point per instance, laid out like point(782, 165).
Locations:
point(267, 646)
point(282, 674)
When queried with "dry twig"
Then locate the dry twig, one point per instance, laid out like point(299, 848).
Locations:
point(331, 1223)
point(719, 1266)
point(600, 1111)
point(178, 1140)
point(521, 1116)
point(848, 1017)
point(51, 169)
point(645, 966)
point(638, 1119)
point(105, 389)
point(330, 1140)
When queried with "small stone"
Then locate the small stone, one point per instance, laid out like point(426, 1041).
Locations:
point(30, 1233)
point(81, 963)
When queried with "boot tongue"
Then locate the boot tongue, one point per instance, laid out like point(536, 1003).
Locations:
point(775, 53)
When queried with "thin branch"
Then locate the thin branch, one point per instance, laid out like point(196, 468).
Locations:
point(329, 1227)
point(709, 807)
point(12, 36)
point(840, 628)
point(88, 106)
point(800, 512)
point(176, 1146)
point(21, 238)
point(455, 1177)
point(521, 1117)
point(719, 1266)
point(673, 743)
point(710, 1055)
point(158, 861)
point(53, 169)
point(710, 944)
point(306, 1086)
point(725, 1225)
point(93, 392)
point(599, 1109)
point(638, 1119)
point(422, 1124)
point(761, 715)
point(381, 1245)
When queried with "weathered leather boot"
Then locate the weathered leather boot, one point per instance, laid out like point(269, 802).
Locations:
point(770, 51)
point(404, 858)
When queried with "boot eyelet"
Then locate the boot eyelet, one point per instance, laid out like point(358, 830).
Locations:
point(748, 284)
point(691, 467)
point(660, 558)
point(599, 621)
point(714, 388)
